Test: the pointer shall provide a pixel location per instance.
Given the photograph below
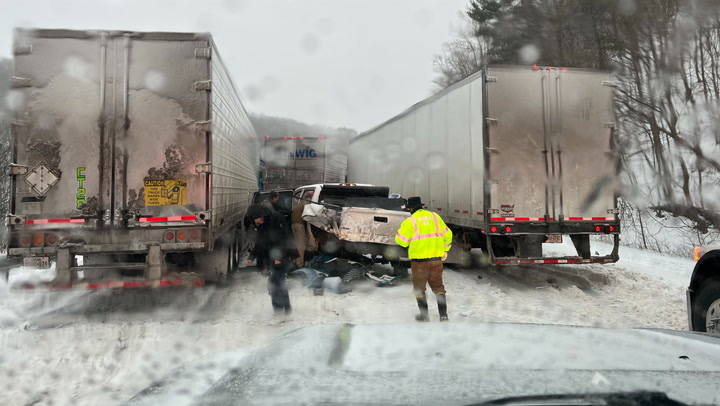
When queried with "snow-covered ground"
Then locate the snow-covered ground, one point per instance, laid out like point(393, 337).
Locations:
point(92, 348)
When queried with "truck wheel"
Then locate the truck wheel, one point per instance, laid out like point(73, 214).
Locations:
point(214, 265)
point(706, 307)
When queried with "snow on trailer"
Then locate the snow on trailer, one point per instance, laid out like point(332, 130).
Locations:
point(132, 150)
point(511, 157)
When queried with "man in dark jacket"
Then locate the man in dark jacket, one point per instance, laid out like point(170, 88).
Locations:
point(273, 249)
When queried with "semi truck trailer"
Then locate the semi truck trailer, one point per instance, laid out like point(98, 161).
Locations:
point(511, 157)
point(132, 151)
point(291, 162)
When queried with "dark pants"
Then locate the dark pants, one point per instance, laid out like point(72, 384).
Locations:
point(277, 288)
point(424, 273)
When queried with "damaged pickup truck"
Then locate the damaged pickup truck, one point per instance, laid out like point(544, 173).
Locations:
point(354, 221)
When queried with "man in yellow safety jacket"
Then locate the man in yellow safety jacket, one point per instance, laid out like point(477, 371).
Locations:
point(428, 240)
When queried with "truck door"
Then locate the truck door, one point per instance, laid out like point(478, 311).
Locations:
point(516, 149)
point(582, 146)
point(161, 133)
point(59, 129)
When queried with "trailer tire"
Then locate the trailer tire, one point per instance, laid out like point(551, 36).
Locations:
point(707, 299)
point(215, 265)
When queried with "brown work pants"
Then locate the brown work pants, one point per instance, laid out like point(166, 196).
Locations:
point(427, 272)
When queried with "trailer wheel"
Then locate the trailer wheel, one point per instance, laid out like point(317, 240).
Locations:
point(214, 265)
point(706, 307)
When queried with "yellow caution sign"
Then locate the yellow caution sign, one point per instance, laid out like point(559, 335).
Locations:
point(166, 192)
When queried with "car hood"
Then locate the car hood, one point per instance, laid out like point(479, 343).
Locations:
point(455, 363)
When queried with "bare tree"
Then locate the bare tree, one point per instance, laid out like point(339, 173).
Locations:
point(667, 99)
point(459, 59)
point(5, 119)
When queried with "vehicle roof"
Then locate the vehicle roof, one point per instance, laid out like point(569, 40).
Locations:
point(463, 361)
point(332, 184)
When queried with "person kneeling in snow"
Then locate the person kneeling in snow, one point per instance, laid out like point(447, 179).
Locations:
point(273, 249)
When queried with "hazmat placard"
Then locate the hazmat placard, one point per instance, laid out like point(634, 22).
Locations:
point(166, 192)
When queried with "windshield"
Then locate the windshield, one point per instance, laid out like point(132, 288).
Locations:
point(514, 198)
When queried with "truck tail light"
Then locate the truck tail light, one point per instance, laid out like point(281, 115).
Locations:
point(698, 252)
point(51, 239)
point(607, 229)
point(39, 240)
point(181, 235)
point(508, 229)
point(169, 236)
point(195, 234)
point(25, 240)
point(493, 229)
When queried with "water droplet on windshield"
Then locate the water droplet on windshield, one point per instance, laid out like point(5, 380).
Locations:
point(78, 68)
point(627, 7)
point(409, 145)
point(14, 100)
point(529, 54)
point(155, 80)
point(416, 175)
point(309, 43)
point(252, 92)
point(436, 161)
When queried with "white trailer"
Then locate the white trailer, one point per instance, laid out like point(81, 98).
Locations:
point(132, 150)
point(511, 157)
point(291, 162)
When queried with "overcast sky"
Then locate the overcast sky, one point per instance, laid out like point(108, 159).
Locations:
point(334, 62)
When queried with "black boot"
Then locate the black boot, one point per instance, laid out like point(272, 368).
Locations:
point(423, 306)
point(442, 306)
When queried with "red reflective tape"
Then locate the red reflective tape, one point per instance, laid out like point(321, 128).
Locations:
point(502, 262)
point(599, 218)
point(465, 212)
point(134, 284)
point(497, 219)
point(479, 213)
point(168, 282)
point(199, 282)
point(522, 218)
point(101, 285)
point(551, 261)
point(48, 221)
point(457, 211)
point(439, 209)
point(172, 218)
point(575, 218)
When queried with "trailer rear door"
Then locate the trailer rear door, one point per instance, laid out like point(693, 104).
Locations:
point(517, 164)
point(163, 87)
point(58, 127)
point(584, 155)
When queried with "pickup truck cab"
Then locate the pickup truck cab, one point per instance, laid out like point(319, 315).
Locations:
point(703, 293)
point(357, 218)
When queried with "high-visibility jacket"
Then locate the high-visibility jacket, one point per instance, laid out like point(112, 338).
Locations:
point(426, 235)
